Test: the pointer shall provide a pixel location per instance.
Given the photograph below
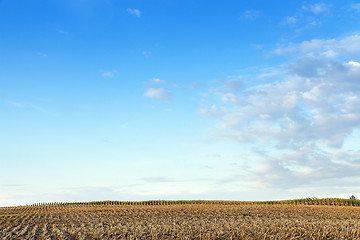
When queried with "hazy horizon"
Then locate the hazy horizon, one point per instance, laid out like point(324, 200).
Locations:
point(166, 100)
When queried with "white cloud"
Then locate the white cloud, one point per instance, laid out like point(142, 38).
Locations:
point(62, 32)
point(290, 20)
point(251, 14)
point(231, 85)
point(146, 53)
point(158, 94)
point(157, 81)
point(330, 48)
point(42, 54)
point(156, 179)
point(312, 103)
point(29, 105)
point(304, 167)
point(354, 64)
point(108, 74)
point(133, 11)
point(257, 46)
point(317, 8)
point(212, 111)
point(300, 121)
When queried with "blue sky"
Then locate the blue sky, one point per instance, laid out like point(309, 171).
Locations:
point(138, 100)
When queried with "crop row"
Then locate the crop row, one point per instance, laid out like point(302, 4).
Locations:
point(304, 201)
point(181, 221)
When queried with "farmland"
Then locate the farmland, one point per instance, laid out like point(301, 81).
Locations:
point(181, 220)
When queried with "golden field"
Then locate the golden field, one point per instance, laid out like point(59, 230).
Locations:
point(180, 221)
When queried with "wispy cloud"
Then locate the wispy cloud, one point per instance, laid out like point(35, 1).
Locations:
point(133, 11)
point(304, 167)
point(356, 6)
point(62, 32)
point(146, 53)
point(156, 81)
point(329, 48)
point(158, 94)
point(29, 105)
point(317, 8)
point(308, 17)
point(290, 20)
point(212, 111)
point(109, 74)
point(17, 104)
point(156, 179)
point(292, 112)
point(257, 46)
point(42, 54)
point(251, 14)
point(160, 89)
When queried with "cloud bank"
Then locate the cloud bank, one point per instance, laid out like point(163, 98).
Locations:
point(300, 121)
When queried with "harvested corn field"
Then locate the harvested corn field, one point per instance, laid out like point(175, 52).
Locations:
point(181, 221)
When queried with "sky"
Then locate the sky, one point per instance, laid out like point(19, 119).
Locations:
point(178, 99)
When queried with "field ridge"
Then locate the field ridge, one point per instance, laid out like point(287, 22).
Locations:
point(183, 219)
point(302, 201)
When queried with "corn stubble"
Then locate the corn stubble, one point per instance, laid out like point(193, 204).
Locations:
point(183, 221)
